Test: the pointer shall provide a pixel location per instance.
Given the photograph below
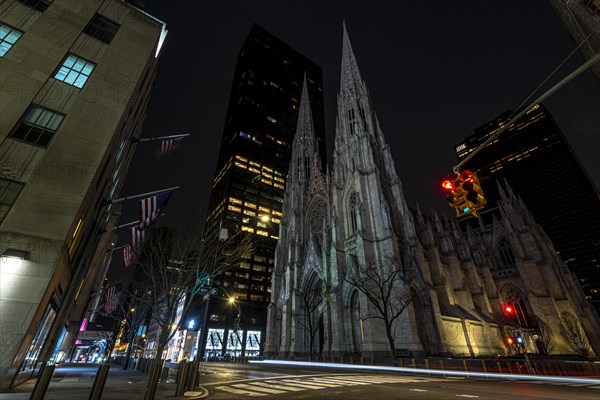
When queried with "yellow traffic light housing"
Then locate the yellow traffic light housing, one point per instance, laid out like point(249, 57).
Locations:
point(464, 194)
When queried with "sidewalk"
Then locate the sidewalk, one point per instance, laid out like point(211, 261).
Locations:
point(74, 382)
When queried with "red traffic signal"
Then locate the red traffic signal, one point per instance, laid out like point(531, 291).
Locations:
point(509, 310)
point(452, 191)
point(510, 340)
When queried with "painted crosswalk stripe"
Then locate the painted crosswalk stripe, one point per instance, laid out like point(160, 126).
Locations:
point(281, 386)
point(300, 384)
point(348, 381)
point(247, 386)
point(321, 382)
point(309, 385)
point(339, 381)
point(239, 391)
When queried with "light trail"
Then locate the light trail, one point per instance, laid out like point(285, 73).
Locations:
point(431, 371)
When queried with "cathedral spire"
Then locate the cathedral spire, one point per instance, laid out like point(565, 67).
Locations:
point(350, 80)
point(304, 139)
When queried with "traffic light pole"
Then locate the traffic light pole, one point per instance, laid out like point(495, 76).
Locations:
point(540, 99)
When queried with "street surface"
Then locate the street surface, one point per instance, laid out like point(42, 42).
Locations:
point(247, 381)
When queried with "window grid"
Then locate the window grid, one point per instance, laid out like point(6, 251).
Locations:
point(40, 5)
point(38, 126)
point(9, 191)
point(8, 37)
point(102, 28)
point(75, 71)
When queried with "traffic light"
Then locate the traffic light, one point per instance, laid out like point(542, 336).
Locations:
point(472, 189)
point(509, 310)
point(510, 340)
point(453, 192)
point(519, 339)
point(464, 194)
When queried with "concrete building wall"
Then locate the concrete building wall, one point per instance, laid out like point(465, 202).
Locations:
point(58, 217)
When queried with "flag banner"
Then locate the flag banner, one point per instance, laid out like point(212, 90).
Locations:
point(167, 146)
point(128, 255)
point(151, 208)
point(137, 236)
point(110, 299)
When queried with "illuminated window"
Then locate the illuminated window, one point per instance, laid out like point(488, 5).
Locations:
point(255, 164)
point(274, 237)
point(261, 224)
point(271, 119)
point(8, 37)
point(250, 205)
point(267, 175)
point(276, 213)
point(279, 179)
point(75, 71)
point(267, 169)
point(277, 185)
point(247, 229)
point(38, 126)
point(262, 233)
point(102, 28)
point(276, 220)
point(261, 208)
point(237, 164)
point(75, 235)
point(241, 158)
point(251, 213)
point(268, 182)
point(254, 170)
point(234, 200)
point(234, 208)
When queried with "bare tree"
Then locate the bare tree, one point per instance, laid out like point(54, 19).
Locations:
point(387, 289)
point(315, 301)
point(572, 331)
point(545, 336)
point(178, 266)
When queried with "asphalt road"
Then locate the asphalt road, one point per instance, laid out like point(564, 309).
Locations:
point(244, 381)
point(248, 381)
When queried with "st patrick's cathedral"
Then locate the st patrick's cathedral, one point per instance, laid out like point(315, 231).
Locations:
point(359, 273)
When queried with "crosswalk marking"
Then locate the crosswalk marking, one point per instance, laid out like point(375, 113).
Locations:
point(256, 388)
point(247, 386)
point(239, 391)
point(281, 386)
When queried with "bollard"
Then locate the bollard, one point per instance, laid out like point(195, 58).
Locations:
point(182, 375)
point(444, 368)
point(42, 382)
point(193, 377)
point(483, 366)
point(165, 374)
point(465, 366)
point(153, 380)
point(98, 386)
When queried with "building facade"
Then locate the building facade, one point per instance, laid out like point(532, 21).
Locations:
point(581, 19)
point(535, 158)
point(248, 186)
point(76, 80)
point(453, 284)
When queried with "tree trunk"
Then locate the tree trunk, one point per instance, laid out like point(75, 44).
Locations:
point(388, 331)
point(128, 353)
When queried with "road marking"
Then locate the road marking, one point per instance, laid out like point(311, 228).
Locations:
point(466, 395)
point(417, 390)
point(280, 387)
point(308, 385)
point(259, 389)
point(239, 391)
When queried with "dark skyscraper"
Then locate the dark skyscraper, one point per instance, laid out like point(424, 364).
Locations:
point(250, 177)
point(537, 162)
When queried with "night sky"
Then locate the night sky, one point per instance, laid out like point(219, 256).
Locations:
point(436, 70)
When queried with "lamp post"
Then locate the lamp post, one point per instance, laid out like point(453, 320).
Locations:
point(203, 337)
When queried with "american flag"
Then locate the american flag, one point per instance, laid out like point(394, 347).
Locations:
point(110, 300)
point(137, 236)
point(128, 255)
point(151, 208)
point(168, 145)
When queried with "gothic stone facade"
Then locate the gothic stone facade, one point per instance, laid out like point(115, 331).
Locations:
point(338, 223)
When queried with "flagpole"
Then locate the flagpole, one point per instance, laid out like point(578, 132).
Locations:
point(127, 225)
point(161, 138)
point(137, 196)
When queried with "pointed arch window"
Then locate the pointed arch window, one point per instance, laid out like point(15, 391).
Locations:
point(352, 119)
point(507, 257)
point(353, 209)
